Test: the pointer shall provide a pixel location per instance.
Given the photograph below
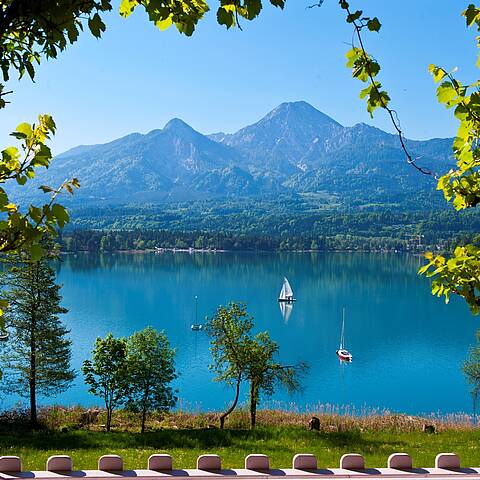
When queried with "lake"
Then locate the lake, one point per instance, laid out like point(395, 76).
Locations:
point(408, 346)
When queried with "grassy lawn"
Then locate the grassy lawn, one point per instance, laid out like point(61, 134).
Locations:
point(279, 442)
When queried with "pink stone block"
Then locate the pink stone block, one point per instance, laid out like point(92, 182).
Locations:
point(304, 461)
point(400, 461)
point(209, 462)
point(447, 460)
point(10, 463)
point(257, 461)
point(59, 463)
point(110, 462)
point(352, 461)
point(160, 461)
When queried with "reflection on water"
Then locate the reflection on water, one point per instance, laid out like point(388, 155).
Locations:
point(407, 346)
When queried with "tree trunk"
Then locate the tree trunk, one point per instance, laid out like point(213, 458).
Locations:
point(475, 398)
point(33, 375)
point(234, 404)
point(253, 404)
point(144, 416)
point(33, 405)
point(109, 418)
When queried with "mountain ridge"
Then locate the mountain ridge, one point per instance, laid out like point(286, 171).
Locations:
point(295, 148)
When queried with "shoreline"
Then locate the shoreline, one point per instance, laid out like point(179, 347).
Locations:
point(205, 250)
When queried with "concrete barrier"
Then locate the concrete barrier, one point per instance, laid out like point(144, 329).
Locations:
point(209, 462)
point(447, 460)
point(110, 463)
point(160, 461)
point(304, 461)
point(257, 461)
point(400, 461)
point(60, 467)
point(59, 463)
point(352, 461)
point(9, 463)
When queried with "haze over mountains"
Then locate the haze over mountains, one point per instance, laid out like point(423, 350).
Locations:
point(294, 149)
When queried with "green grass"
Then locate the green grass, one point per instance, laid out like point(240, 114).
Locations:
point(279, 442)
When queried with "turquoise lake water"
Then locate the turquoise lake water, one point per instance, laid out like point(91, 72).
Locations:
point(408, 346)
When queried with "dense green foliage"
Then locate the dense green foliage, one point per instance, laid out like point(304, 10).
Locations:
point(238, 355)
point(229, 331)
point(280, 224)
point(106, 373)
point(134, 371)
point(25, 229)
point(265, 373)
point(37, 357)
point(460, 273)
point(151, 369)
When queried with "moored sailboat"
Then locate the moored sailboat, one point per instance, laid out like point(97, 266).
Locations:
point(196, 326)
point(342, 352)
point(286, 293)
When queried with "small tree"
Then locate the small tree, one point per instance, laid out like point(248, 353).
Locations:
point(229, 330)
point(265, 374)
point(151, 368)
point(38, 356)
point(106, 373)
point(471, 368)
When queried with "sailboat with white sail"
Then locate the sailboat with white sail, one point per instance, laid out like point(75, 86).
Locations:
point(286, 293)
point(342, 352)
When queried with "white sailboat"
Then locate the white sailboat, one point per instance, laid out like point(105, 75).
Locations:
point(286, 293)
point(196, 326)
point(342, 352)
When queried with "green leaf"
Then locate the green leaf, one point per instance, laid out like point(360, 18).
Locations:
point(36, 252)
point(30, 70)
point(374, 25)
point(126, 7)
point(164, 24)
point(35, 213)
point(470, 14)
point(225, 17)
point(253, 9)
point(61, 214)
point(96, 25)
point(354, 16)
point(446, 92)
point(437, 72)
point(24, 130)
point(352, 56)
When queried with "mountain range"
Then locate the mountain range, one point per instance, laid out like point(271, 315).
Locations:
point(293, 149)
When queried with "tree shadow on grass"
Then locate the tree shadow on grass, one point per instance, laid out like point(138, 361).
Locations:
point(200, 439)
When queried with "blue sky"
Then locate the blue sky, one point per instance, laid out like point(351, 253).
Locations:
point(136, 77)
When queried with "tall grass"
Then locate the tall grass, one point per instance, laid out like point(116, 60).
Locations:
point(333, 418)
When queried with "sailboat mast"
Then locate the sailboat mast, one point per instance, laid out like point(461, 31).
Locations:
point(342, 339)
point(196, 309)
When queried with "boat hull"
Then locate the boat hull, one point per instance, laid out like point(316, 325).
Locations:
point(346, 357)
